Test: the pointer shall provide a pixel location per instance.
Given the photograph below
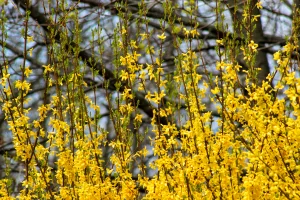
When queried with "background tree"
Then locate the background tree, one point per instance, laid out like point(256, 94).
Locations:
point(155, 99)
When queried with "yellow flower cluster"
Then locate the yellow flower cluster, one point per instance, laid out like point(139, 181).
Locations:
point(246, 148)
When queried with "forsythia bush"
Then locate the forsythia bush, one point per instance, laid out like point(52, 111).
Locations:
point(250, 151)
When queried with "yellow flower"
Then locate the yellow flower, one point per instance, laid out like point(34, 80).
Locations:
point(194, 32)
point(148, 96)
point(255, 17)
point(162, 113)
point(142, 75)
point(123, 31)
point(176, 78)
point(215, 91)
point(127, 93)
point(279, 86)
point(253, 46)
point(6, 106)
point(30, 51)
point(138, 118)
point(48, 68)
point(144, 36)
point(22, 85)
point(162, 37)
point(29, 38)
point(27, 71)
point(157, 61)
point(150, 50)
point(219, 42)
point(258, 5)
point(186, 32)
point(289, 47)
point(277, 57)
point(245, 14)
point(133, 44)
point(124, 75)
point(43, 110)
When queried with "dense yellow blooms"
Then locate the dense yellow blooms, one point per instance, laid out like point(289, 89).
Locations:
point(247, 149)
